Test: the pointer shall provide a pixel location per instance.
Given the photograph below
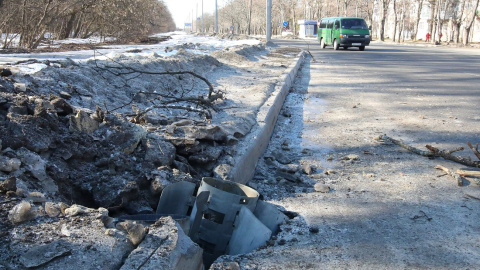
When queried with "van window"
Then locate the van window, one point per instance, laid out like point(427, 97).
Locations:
point(337, 24)
point(323, 24)
point(330, 24)
point(354, 24)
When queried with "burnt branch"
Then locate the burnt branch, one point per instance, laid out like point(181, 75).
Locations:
point(433, 152)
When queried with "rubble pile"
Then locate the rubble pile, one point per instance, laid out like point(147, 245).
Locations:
point(82, 143)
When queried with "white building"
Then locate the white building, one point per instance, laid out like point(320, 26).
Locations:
point(308, 28)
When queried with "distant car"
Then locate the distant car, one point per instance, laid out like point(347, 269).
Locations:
point(343, 32)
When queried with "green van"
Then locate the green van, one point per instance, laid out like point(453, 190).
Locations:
point(343, 32)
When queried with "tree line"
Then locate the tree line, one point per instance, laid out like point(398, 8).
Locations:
point(400, 17)
point(28, 23)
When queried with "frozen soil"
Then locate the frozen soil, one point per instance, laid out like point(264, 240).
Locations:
point(109, 134)
point(366, 204)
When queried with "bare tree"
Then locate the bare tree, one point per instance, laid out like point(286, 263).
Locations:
point(395, 20)
point(419, 5)
point(469, 19)
point(457, 19)
point(384, 5)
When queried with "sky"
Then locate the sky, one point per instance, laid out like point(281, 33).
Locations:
point(182, 10)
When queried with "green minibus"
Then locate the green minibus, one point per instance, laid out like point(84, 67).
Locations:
point(343, 32)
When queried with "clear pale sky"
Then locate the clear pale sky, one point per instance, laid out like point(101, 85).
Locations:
point(182, 10)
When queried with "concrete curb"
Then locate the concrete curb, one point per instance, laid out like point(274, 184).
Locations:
point(256, 142)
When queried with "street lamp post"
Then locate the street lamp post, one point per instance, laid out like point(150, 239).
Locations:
point(269, 20)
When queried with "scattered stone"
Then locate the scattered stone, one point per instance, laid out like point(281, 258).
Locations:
point(209, 155)
point(5, 72)
point(111, 232)
point(9, 164)
point(350, 157)
point(313, 229)
point(63, 206)
point(307, 169)
point(370, 175)
point(21, 87)
point(159, 183)
point(282, 242)
point(21, 212)
point(288, 176)
point(52, 209)
point(61, 106)
point(65, 95)
point(82, 122)
point(36, 197)
point(136, 232)
point(75, 210)
point(222, 171)
point(181, 123)
point(319, 187)
point(208, 132)
point(227, 265)
point(285, 146)
point(158, 151)
point(10, 184)
point(281, 157)
point(329, 172)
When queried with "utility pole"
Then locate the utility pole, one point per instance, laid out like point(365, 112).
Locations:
point(216, 17)
point(202, 18)
point(269, 20)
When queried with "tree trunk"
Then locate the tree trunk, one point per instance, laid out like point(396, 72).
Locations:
point(417, 21)
point(395, 20)
point(249, 17)
point(469, 23)
point(294, 25)
point(69, 27)
point(432, 17)
point(385, 4)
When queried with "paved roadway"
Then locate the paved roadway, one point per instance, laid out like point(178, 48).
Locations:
point(389, 209)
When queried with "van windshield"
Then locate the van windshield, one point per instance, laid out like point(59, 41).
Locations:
point(354, 24)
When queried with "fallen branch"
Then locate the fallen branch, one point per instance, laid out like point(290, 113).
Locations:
point(452, 174)
point(433, 152)
point(471, 196)
point(404, 145)
point(465, 173)
point(474, 149)
point(445, 154)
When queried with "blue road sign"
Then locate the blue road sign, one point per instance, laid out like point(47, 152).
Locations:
point(285, 24)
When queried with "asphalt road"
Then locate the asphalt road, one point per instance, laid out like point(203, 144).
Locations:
point(409, 81)
point(387, 208)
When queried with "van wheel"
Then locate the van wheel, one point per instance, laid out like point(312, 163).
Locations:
point(361, 48)
point(322, 43)
point(335, 45)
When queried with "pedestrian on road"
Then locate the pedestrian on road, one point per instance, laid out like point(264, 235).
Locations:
point(428, 37)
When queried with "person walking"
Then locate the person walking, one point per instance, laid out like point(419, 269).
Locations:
point(428, 37)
